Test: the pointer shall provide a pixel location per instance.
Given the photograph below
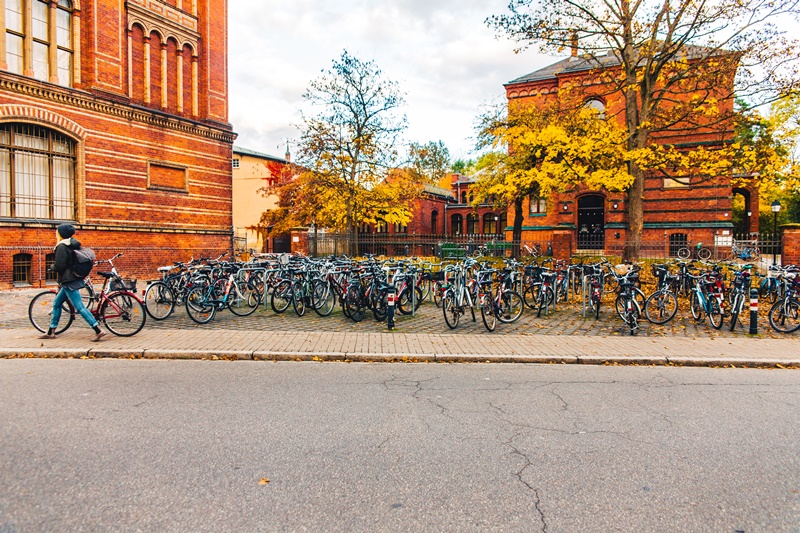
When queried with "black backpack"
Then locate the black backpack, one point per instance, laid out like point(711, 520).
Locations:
point(84, 262)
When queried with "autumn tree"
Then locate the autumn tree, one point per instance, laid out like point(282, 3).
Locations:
point(429, 161)
point(348, 147)
point(540, 150)
point(670, 63)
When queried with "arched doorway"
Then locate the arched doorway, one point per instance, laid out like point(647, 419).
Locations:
point(744, 219)
point(591, 222)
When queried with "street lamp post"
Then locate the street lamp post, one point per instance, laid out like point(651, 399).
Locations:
point(776, 207)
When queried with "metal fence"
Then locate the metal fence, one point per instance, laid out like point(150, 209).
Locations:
point(402, 245)
point(762, 249)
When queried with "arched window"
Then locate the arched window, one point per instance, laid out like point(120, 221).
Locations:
point(455, 224)
point(435, 222)
point(598, 106)
point(472, 224)
point(490, 224)
point(49, 259)
point(37, 173)
point(49, 61)
point(22, 268)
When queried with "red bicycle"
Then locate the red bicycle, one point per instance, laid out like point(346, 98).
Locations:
point(117, 306)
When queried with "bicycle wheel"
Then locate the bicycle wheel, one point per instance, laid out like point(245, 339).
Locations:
point(197, 306)
point(123, 314)
point(696, 307)
point(380, 304)
point(546, 299)
point(632, 318)
point(404, 300)
point(450, 310)
point(437, 292)
point(40, 311)
point(487, 312)
point(530, 294)
point(159, 301)
point(322, 297)
point(684, 253)
point(660, 307)
point(244, 298)
point(704, 254)
point(299, 299)
point(354, 303)
point(596, 303)
point(736, 307)
point(715, 316)
point(510, 307)
point(784, 316)
point(281, 297)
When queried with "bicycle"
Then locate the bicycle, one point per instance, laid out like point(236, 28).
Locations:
point(706, 299)
point(784, 315)
point(699, 251)
point(627, 306)
point(457, 298)
point(661, 306)
point(239, 296)
point(117, 306)
point(745, 251)
point(739, 293)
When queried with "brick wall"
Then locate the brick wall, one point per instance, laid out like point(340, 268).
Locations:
point(152, 184)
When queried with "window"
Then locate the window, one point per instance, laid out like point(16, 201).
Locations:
point(490, 224)
point(676, 242)
point(22, 268)
point(463, 197)
point(538, 205)
point(235, 163)
point(472, 224)
point(455, 224)
point(400, 228)
point(381, 227)
point(49, 259)
point(41, 61)
point(435, 222)
point(598, 106)
point(37, 173)
point(670, 183)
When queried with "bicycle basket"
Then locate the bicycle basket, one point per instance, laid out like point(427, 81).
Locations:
point(127, 284)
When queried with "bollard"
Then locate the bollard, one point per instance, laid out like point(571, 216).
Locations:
point(390, 300)
point(753, 311)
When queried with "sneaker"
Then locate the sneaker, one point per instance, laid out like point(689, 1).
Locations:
point(48, 336)
point(99, 336)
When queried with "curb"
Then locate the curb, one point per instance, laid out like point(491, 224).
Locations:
point(345, 357)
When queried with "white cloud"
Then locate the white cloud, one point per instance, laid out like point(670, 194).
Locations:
point(444, 57)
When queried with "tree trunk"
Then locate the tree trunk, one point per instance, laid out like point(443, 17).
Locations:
point(516, 234)
point(633, 241)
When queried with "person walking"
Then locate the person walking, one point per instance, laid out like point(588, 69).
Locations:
point(70, 284)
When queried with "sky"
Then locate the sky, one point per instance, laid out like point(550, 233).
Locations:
point(445, 59)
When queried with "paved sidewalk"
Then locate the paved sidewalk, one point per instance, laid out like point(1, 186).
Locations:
point(424, 338)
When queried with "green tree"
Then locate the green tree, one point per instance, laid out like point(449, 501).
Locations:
point(676, 60)
point(349, 147)
point(430, 161)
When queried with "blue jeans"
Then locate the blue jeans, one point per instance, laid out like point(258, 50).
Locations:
point(74, 297)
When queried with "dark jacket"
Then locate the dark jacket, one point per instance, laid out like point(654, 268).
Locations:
point(65, 258)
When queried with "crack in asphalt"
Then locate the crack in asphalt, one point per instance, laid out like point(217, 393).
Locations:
point(537, 502)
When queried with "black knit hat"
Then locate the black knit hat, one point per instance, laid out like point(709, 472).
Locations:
point(66, 230)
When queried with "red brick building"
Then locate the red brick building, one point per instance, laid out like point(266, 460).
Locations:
point(114, 117)
point(674, 213)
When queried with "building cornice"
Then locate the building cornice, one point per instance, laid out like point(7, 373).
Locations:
point(82, 100)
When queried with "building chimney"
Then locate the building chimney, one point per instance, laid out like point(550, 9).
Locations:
point(574, 44)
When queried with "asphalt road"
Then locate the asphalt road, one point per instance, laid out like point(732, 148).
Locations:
point(136, 445)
